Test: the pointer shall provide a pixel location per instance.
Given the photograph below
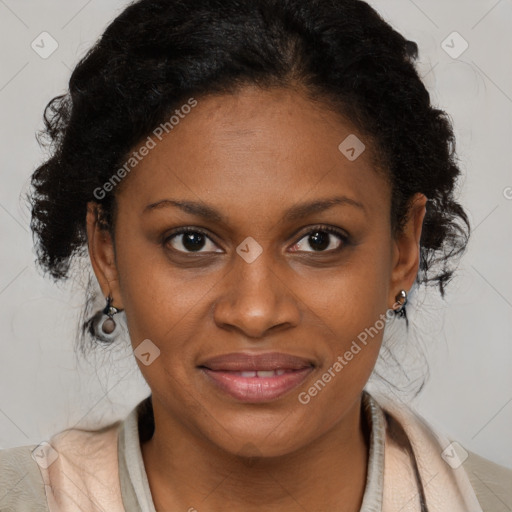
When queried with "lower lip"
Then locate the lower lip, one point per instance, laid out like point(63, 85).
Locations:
point(257, 389)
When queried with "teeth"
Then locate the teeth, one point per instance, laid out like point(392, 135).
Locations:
point(263, 374)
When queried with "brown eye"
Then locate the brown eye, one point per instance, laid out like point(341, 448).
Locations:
point(189, 240)
point(321, 239)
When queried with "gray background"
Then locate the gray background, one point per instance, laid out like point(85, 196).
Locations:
point(45, 387)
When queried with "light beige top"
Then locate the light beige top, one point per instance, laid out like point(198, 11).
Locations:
point(45, 480)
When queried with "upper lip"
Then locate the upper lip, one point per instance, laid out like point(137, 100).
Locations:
point(239, 362)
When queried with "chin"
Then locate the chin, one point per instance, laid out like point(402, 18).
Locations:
point(261, 436)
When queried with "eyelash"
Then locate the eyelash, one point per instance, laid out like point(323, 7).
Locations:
point(327, 229)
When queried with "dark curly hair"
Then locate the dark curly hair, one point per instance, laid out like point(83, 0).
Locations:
point(158, 53)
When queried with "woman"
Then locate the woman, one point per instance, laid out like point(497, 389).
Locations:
point(258, 185)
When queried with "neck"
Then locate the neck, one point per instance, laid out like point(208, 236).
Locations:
point(186, 472)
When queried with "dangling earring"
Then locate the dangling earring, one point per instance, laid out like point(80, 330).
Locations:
point(109, 325)
point(401, 300)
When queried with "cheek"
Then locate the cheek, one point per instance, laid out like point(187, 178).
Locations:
point(352, 345)
point(161, 302)
point(167, 308)
point(353, 296)
point(352, 305)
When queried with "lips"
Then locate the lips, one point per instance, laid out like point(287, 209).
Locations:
point(269, 361)
point(256, 377)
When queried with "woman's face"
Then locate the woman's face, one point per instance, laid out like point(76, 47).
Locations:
point(261, 276)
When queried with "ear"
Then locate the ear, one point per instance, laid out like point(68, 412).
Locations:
point(406, 251)
point(102, 255)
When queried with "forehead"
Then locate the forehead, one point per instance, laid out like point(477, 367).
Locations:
point(260, 149)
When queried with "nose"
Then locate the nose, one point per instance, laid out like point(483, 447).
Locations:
point(256, 298)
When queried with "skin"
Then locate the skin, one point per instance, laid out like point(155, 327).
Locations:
point(252, 156)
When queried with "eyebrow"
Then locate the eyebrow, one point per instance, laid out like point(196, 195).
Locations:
point(294, 213)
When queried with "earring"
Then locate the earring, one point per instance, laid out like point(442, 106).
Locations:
point(401, 301)
point(109, 325)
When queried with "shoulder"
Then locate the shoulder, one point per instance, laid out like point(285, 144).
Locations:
point(21, 482)
point(491, 482)
point(73, 465)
